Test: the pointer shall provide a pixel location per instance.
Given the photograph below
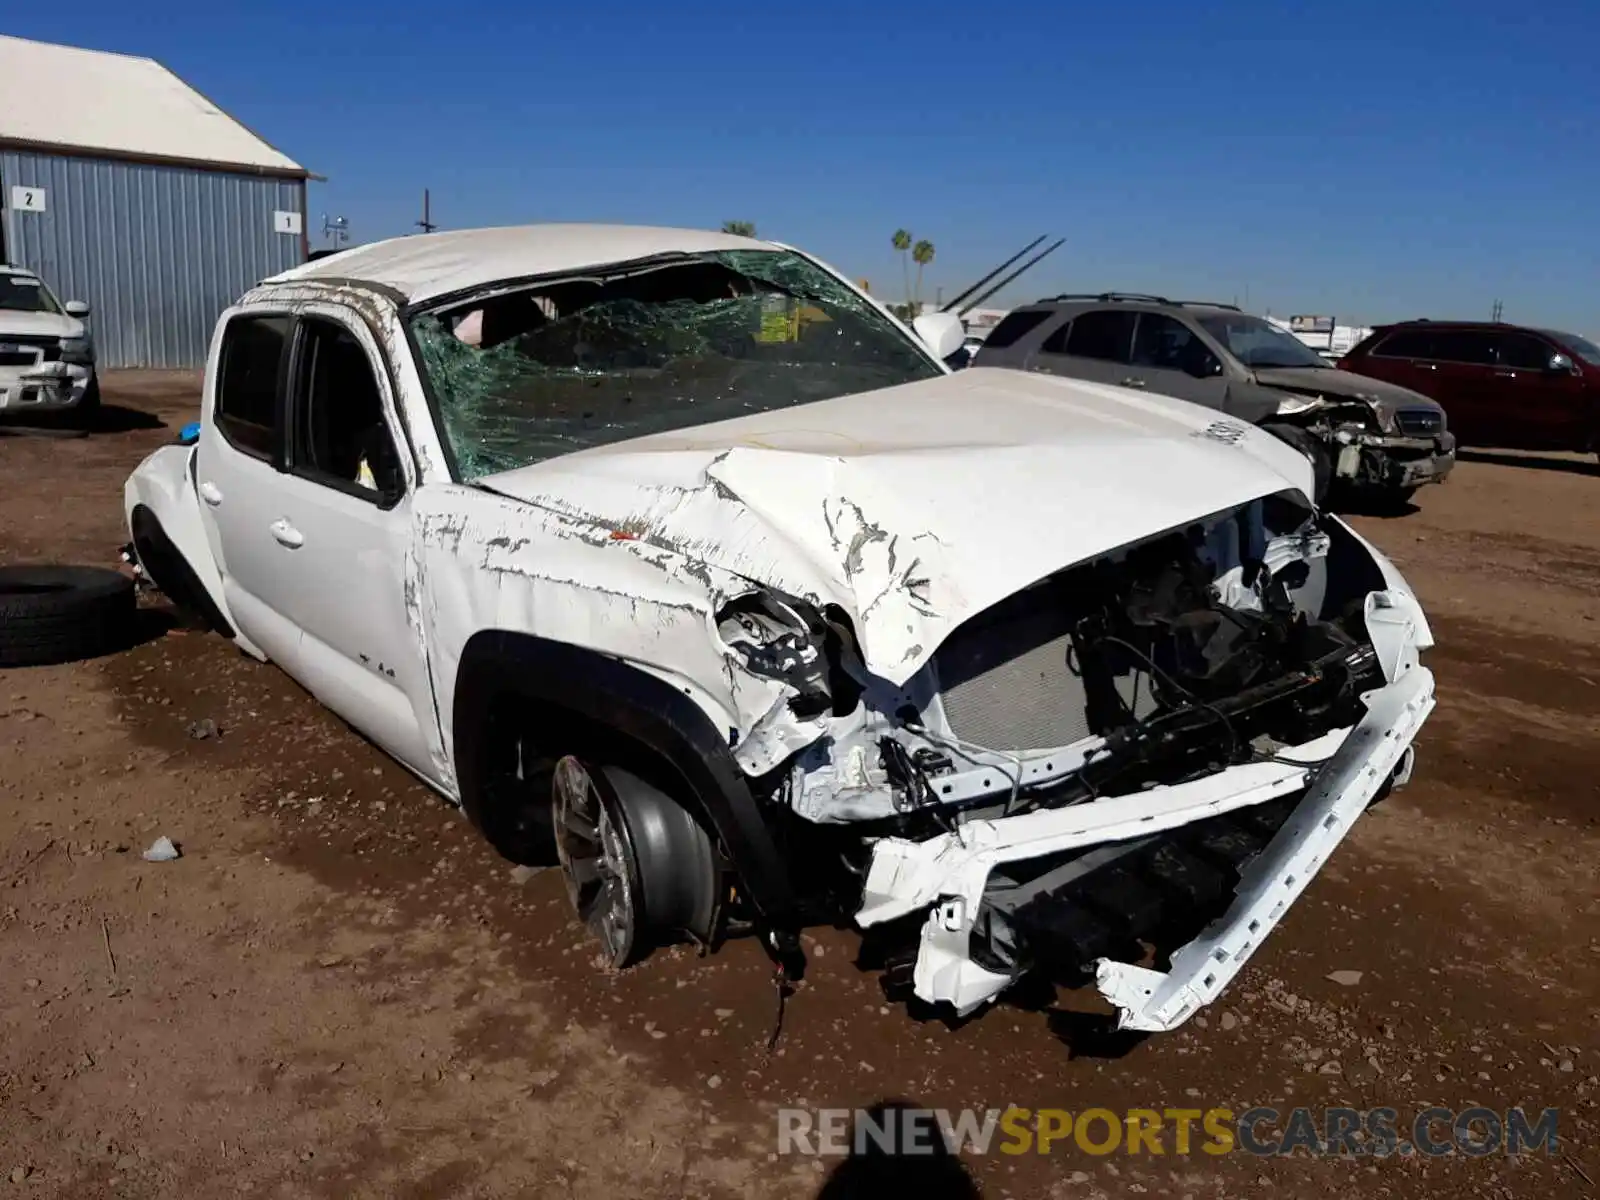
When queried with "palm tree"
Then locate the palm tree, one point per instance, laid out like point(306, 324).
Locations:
point(922, 255)
point(902, 243)
point(740, 228)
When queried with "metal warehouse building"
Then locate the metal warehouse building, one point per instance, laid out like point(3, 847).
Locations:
point(124, 187)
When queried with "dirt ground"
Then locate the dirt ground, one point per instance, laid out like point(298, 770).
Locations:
point(340, 991)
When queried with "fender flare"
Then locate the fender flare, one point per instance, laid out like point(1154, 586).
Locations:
point(640, 706)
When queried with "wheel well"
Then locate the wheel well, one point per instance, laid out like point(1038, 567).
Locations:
point(171, 572)
point(522, 739)
point(515, 690)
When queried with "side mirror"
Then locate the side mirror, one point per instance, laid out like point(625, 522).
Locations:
point(77, 308)
point(941, 332)
point(1202, 366)
point(1560, 364)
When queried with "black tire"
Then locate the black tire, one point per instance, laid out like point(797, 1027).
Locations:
point(1314, 450)
point(62, 614)
point(88, 410)
point(662, 867)
point(171, 573)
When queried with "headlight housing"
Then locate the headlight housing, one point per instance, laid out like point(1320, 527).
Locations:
point(1290, 405)
point(77, 350)
point(784, 639)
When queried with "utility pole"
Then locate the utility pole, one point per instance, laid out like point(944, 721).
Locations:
point(426, 224)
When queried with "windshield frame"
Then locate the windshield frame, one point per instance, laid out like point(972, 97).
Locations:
point(1315, 361)
point(409, 313)
point(53, 306)
point(1574, 344)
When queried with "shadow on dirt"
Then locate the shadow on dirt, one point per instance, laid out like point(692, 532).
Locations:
point(1372, 504)
point(1574, 466)
point(896, 1149)
point(113, 418)
point(108, 418)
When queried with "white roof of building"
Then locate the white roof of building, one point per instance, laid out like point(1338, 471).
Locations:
point(60, 96)
point(428, 265)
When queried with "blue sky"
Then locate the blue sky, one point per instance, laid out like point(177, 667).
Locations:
point(1373, 161)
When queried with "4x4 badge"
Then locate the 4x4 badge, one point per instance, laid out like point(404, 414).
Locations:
point(1222, 431)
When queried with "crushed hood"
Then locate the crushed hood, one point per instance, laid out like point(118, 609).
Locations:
point(916, 507)
point(1331, 381)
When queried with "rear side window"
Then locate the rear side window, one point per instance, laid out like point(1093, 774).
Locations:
point(1014, 325)
point(247, 383)
point(1104, 334)
point(1056, 343)
point(1408, 343)
point(1464, 346)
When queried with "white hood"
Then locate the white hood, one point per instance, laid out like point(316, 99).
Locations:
point(34, 324)
point(919, 506)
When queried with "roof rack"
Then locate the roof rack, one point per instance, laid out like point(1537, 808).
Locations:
point(1135, 298)
point(1138, 297)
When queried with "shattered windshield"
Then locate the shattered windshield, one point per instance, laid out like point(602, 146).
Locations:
point(649, 347)
point(1257, 343)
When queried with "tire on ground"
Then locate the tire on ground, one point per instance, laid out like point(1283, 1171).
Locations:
point(51, 614)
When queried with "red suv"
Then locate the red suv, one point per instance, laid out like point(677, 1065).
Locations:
point(1499, 385)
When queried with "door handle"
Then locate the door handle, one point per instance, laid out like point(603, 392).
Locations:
point(1505, 374)
point(1133, 383)
point(286, 534)
point(211, 493)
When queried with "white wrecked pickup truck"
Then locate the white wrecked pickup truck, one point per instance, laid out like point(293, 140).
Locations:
point(676, 560)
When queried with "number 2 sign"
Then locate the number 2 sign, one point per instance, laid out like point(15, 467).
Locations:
point(28, 199)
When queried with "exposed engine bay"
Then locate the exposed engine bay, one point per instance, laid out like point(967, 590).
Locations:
point(1164, 658)
point(1236, 645)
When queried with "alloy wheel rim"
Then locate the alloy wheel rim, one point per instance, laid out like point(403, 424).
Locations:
point(594, 859)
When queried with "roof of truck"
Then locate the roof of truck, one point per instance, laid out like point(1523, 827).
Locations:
point(427, 266)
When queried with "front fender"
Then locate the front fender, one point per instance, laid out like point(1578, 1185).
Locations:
point(163, 485)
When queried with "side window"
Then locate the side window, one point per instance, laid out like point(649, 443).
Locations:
point(1166, 343)
point(1522, 351)
point(339, 434)
point(1408, 343)
point(247, 383)
point(1013, 325)
point(1464, 346)
point(1104, 333)
point(1056, 343)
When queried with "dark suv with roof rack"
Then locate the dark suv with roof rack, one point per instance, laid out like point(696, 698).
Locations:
point(1502, 385)
point(1360, 433)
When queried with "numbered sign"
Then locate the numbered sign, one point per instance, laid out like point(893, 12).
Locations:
point(286, 222)
point(28, 199)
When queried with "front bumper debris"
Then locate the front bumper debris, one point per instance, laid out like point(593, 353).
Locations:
point(1339, 772)
point(48, 387)
point(1392, 460)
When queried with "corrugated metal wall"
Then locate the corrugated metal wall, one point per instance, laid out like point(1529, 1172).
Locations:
point(158, 252)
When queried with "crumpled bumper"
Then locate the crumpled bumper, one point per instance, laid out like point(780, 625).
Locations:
point(949, 873)
point(1393, 460)
point(48, 387)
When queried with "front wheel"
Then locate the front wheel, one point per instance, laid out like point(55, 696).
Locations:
point(638, 867)
point(89, 407)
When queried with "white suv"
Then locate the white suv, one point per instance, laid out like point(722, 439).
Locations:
point(46, 353)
